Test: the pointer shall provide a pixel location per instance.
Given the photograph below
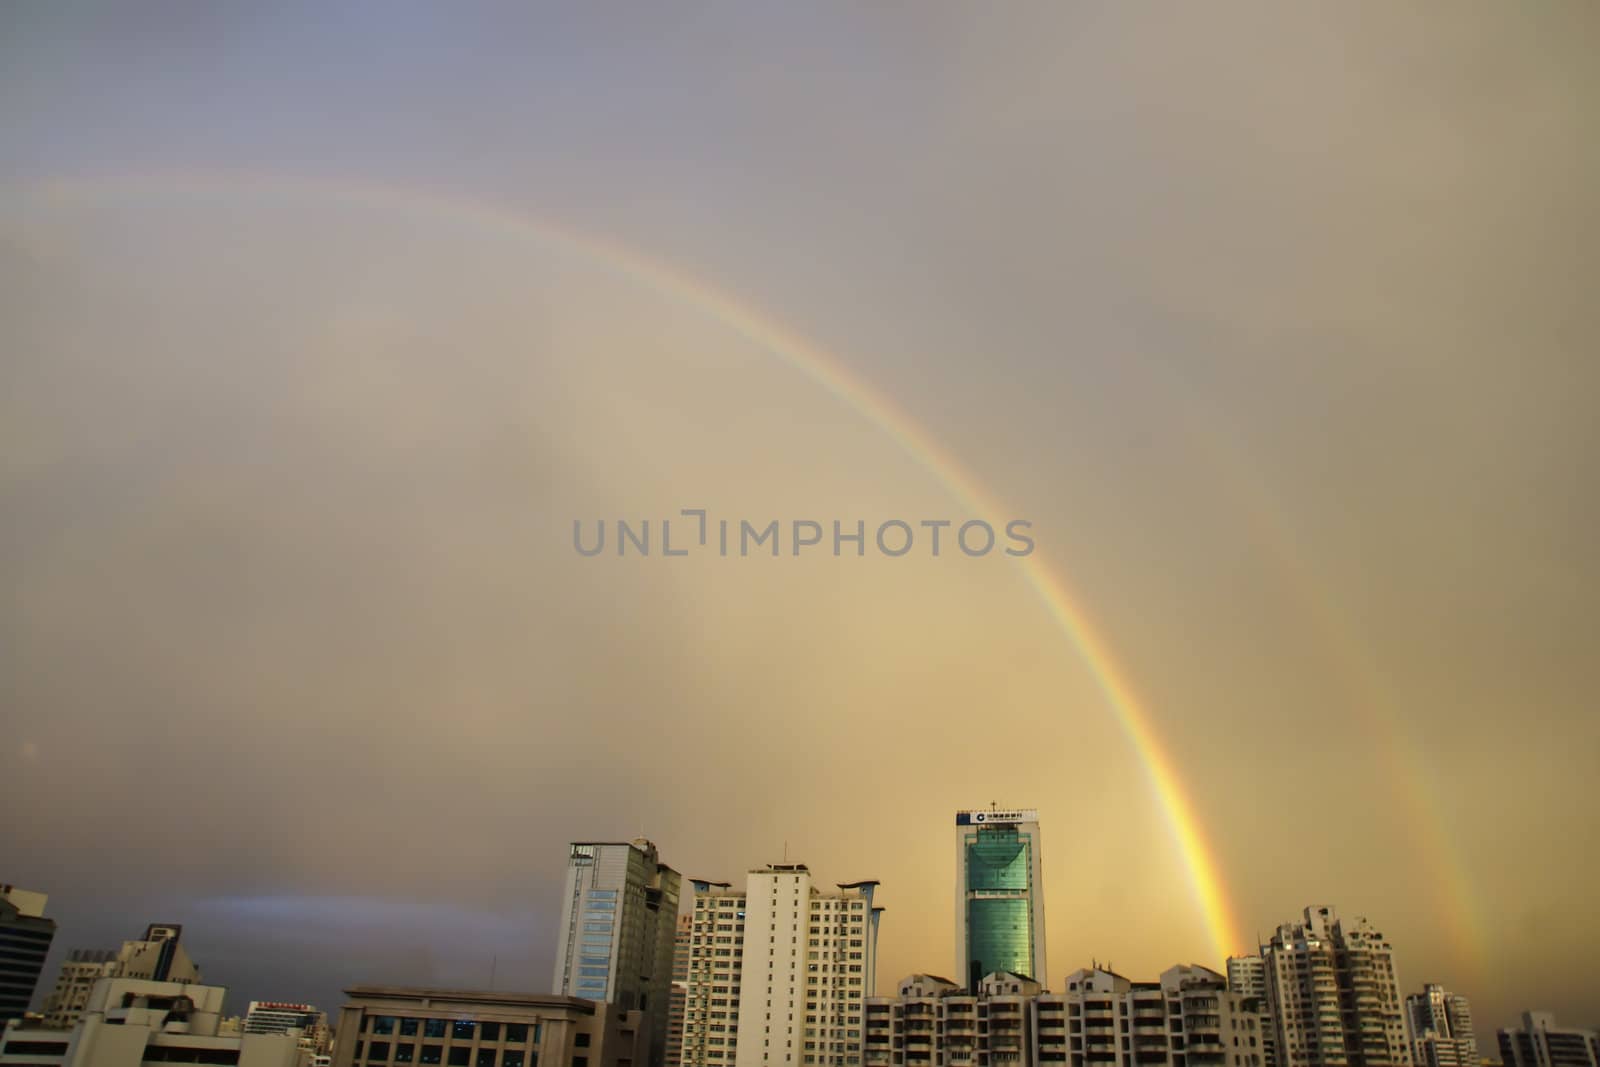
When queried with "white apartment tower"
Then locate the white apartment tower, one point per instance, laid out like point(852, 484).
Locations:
point(618, 921)
point(1441, 1028)
point(1333, 994)
point(778, 972)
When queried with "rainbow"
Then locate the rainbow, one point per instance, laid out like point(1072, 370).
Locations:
point(1056, 595)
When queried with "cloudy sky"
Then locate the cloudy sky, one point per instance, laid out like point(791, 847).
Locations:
point(319, 329)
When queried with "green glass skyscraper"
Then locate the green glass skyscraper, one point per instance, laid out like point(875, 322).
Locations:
point(999, 895)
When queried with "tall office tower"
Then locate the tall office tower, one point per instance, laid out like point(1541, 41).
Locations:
point(25, 936)
point(618, 920)
point(999, 896)
point(1441, 1028)
point(158, 956)
point(680, 989)
point(1333, 994)
point(1539, 1042)
point(778, 972)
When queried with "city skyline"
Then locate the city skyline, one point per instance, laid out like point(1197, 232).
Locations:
point(319, 330)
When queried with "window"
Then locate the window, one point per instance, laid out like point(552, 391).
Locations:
point(512, 1057)
point(408, 1027)
point(383, 1024)
point(489, 1031)
point(430, 1054)
point(460, 1055)
point(378, 1051)
point(433, 1028)
point(404, 1053)
point(486, 1057)
point(517, 1032)
point(463, 1029)
point(581, 1040)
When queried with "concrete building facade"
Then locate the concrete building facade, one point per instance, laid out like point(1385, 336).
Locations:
point(1333, 994)
point(136, 1022)
point(25, 937)
point(79, 972)
point(1539, 1042)
point(999, 896)
point(158, 956)
point(394, 1026)
point(618, 928)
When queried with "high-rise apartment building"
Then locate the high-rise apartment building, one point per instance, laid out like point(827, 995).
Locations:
point(25, 936)
point(680, 989)
point(1539, 1042)
point(1189, 1018)
point(999, 896)
point(618, 922)
point(1333, 994)
point(1441, 1028)
point(159, 956)
point(778, 971)
point(1247, 976)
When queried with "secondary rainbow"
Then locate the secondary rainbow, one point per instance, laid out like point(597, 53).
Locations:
point(1057, 597)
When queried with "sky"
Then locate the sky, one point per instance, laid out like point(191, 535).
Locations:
point(321, 328)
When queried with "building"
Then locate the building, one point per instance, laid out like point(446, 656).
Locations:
point(618, 924)
point(391, 1026)
point(1247, 976)
point(1189, 1018)
point(1333, 994)
point(999, 896)
point(25, 937)
point(1539, 1042)
point(1441, 1028)
point(933, 1022)
point(136, 1022)
point(158, 956)
point(680, 989)
point(779, 971)
point(280, 1017)
point(79, 972)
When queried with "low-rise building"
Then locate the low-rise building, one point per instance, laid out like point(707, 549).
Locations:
point(1189, 1018)
point(1539, 1042)
point(135, 1022)
point(396, 1026)
point(158, 956)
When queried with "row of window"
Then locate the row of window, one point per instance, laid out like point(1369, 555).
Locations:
point(457, 1056)
point(457, 1029)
